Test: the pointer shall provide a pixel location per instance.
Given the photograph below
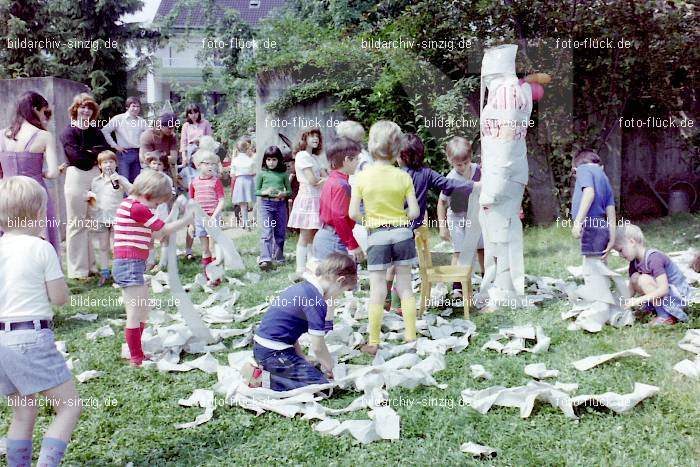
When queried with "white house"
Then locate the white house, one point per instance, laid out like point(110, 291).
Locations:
point(176, 65)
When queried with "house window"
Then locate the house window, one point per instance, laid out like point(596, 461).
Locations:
point(254, 4)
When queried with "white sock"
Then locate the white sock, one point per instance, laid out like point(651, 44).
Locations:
point(244, 213)
point(301, 257)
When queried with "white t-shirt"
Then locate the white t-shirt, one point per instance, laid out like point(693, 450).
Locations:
point(26, 264)
point(108, 199)
point(304, 160)
point(127, 129)
point(242, 164)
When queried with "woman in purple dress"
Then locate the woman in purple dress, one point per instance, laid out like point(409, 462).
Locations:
point(24, 148)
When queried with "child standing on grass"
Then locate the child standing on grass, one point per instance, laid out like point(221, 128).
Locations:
point(311, 173)
point(243, 178)
point(336, 234)
point(188, 173)
point(593, 206)
point(208, 191)
point(136, 226)
point(32, 281)
point(109, 189)
point(385, 190)
point(272, 186)
point(159, 164)
point(655, 280)
point(299, 309)
point(452, 210)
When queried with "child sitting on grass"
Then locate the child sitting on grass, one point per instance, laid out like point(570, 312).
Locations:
point(299, 309)
point(32, 281)
point(136, 226)
point(108, 189)
point(655, 280)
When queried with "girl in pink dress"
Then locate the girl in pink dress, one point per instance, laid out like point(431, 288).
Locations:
point(311, 173)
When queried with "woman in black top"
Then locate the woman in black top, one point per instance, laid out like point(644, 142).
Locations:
point(82, 142)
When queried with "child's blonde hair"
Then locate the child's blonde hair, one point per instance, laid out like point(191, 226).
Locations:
point(385, 139)
point(105, 156)
point(458, 149)
point(22, 202)
point(152, 185)
point(628, 232)
point(351, 130)
point(244, 144)
point(205, 156)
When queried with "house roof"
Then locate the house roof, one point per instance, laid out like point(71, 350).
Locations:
point(194, 16)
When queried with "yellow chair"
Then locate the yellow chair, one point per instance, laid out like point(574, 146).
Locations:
point(430, 274)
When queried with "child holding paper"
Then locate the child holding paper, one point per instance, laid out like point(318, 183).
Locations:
point(655, 280)
point(299, 309)
point(134, 231)
point(32, 281)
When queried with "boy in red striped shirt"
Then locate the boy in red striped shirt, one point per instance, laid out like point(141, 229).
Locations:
point(136, 226)
point(208, 191)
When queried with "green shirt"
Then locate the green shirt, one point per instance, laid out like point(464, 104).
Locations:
point(277, 180)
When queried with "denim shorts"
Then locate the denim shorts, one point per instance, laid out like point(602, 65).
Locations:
point(200, 231)
point(326, 241)
point(128, 272)
point(30, 362)
point(594, 237)
point(390, 246)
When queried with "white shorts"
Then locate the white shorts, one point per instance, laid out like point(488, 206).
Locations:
point(458, 225)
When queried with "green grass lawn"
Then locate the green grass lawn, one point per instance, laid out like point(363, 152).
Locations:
point(137, 424)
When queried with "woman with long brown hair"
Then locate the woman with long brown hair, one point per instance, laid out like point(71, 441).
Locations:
point(25, 146)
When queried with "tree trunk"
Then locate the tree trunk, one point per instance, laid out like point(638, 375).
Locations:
point(543, 196)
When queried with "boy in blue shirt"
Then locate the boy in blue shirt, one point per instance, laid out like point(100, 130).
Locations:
point(299, 309)
point(593, 206)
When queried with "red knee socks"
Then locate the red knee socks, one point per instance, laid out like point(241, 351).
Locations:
point(205, 262)
point(132, 336)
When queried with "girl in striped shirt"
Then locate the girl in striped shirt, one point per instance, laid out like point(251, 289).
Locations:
point(207, 191)
point(136, 226)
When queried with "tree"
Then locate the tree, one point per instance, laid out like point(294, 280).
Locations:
point(83, 40)
point(653, 72)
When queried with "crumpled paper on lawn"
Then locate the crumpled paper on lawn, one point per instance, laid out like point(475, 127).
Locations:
point(691, 341)
point(104, 331)
point(594, 304)
point(619, 403)
point(479, 372)
point(524, 398)
point(384, 423)
point(199, 398)
point(517, 338)
point(478, 450)
point(689, 368)
point(595, 360)
point(88, 375)
point(84, 317)
point(540, 371)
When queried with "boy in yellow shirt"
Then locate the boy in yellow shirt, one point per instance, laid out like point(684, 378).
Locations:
point(385, 190)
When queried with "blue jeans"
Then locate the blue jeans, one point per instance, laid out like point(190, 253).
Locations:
point(129, 164)
point(273, 222)
point(327, 241)
point(287, 369)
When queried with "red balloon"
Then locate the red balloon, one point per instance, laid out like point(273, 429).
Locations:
point(537, 91)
